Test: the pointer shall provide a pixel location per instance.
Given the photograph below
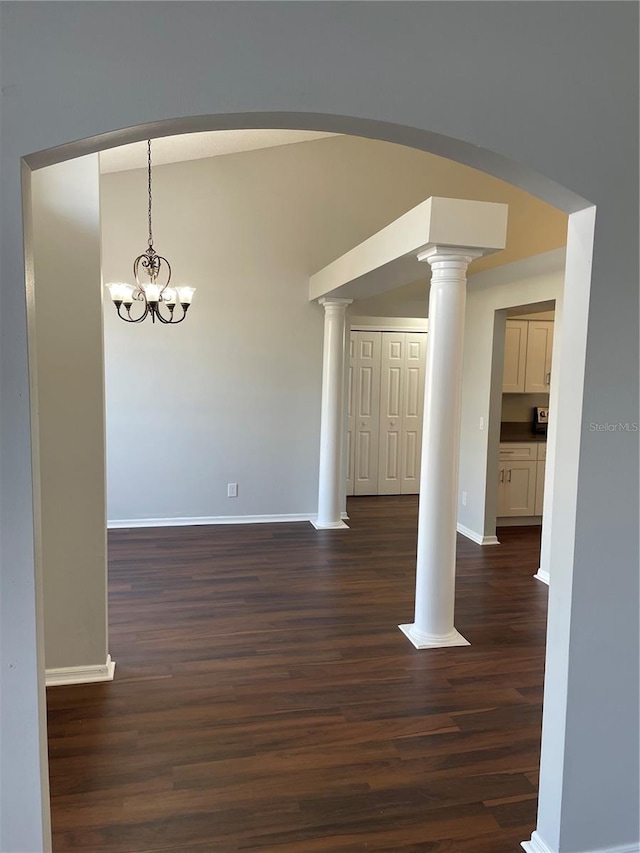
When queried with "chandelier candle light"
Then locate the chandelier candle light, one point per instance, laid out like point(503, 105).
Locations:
point(158, 300)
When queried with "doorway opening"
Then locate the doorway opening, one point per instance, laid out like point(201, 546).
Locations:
point(86, 148)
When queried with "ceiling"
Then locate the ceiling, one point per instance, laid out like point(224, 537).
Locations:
point(196, 146)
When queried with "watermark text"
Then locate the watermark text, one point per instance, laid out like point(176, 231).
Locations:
point(618, 426)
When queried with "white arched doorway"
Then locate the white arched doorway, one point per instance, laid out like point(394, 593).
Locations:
point(582, 222)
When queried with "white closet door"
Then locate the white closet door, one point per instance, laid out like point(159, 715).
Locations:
point(366, 415)
point(413, 405)
point(391, 413)
point(351, 408)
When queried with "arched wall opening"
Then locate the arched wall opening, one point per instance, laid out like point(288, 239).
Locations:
point(571, 373)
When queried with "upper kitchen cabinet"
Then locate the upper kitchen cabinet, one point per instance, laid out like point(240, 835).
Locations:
point(539, 349)
point(515, 356)
point(528, 345)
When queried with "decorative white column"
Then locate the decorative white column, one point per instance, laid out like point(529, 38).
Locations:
point(331, 421)
point(436, 564)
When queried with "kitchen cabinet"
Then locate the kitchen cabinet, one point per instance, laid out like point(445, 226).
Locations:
point(515, 356)
point(520, 479)
point(528, 346)
point(539, 349)
point(540, 466)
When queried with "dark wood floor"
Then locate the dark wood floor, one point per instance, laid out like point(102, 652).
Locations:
point(265, 700)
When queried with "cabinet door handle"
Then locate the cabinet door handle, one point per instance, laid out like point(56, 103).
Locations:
point(548, 379)
point(509, 475)
point(502, 475)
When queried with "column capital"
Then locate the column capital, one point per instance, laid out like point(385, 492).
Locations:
point(457, 254)
point(331, 302)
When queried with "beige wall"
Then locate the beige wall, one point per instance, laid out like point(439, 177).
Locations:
point(490, 296)
point(519, 407)
point(223, 394)
point(69, 381)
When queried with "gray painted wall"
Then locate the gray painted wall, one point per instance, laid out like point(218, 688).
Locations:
point(552, 86)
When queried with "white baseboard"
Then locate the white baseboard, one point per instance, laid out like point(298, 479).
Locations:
point(81, 674)
point(123, 523)
point(543, 576)
point(478, 538)
point(537, 845)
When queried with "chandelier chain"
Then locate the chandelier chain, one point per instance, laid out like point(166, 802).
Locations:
point(149, 181)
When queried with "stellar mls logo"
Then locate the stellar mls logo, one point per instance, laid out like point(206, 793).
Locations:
point(613, 427)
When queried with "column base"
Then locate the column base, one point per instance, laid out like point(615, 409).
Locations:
point(329, 525)
point(432, 641)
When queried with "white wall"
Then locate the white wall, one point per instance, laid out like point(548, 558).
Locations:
point(522, 90)
point(526, 282)
point(70, 393)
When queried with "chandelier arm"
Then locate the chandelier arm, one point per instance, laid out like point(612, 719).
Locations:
point(172, 320)
point(184, 314)
point(160, 317)
point(128, 318)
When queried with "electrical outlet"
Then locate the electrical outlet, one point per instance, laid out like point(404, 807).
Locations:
point(464, 499)
point(232, 490)
point(481, 423)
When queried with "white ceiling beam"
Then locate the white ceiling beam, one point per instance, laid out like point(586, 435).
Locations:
point(389, 259)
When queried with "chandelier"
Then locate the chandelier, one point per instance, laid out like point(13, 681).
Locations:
point(152, 298)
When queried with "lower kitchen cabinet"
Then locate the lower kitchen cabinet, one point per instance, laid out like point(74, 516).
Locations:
point(539, 486)
point(517, 488)
point(520, 479)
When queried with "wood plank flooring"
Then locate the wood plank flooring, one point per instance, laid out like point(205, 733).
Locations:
point(265, 699)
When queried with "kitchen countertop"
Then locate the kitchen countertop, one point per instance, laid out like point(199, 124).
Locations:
point(520, 431)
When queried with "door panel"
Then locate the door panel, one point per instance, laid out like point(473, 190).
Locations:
point(391, 420)
point(366, 415)
point(414, 373)
point(351, 391)
point(391, 472)
point(411, 475)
